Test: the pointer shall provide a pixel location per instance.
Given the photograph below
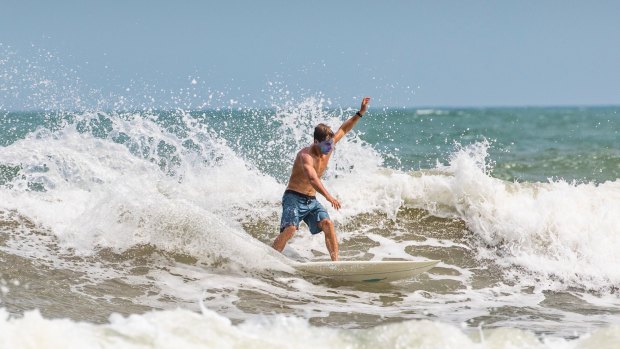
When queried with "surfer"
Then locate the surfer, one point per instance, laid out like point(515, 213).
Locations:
point(299, 202)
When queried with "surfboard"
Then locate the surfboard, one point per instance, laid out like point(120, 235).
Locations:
point(365, 271)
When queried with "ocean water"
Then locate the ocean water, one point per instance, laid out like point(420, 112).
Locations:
point(144, 227)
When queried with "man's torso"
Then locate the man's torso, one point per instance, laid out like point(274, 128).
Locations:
point(299, 181)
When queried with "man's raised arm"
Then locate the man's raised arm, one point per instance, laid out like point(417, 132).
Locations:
point(348, 125)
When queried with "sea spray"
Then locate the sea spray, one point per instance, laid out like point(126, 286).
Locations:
point(560, 229)
point(94, 192)
point(177, 159)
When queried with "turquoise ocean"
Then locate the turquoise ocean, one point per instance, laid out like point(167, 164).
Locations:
point(151, 227)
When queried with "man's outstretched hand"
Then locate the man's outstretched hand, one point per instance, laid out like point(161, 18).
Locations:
point(335, 203)
point(364, 106)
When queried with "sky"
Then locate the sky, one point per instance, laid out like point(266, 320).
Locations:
point(402, 53)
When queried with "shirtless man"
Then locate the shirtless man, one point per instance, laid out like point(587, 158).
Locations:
point(299, 201)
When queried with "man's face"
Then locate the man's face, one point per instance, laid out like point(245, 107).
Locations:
point(326, 146)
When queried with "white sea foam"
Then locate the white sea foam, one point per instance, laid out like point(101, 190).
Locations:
point(99, 194)
point(568, 230)
point(182, 328)
point(556, 228)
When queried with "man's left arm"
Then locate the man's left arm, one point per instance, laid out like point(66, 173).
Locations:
point(348, 125)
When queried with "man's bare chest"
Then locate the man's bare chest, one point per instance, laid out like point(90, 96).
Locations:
point(320, 165)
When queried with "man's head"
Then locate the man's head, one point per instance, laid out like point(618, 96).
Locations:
point(322, 133)
point(323, 137)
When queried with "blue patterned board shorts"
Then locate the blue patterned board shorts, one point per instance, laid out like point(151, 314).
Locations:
point(297, 207)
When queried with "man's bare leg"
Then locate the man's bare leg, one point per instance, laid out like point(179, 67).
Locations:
point(284, 237)
point(330, 238)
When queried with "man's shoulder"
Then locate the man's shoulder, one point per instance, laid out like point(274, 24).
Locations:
point(305, 154)
point(304, 151)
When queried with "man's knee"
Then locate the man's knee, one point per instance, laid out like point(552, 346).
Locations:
point(326, 225)
point(285, 235)
point(288, 231)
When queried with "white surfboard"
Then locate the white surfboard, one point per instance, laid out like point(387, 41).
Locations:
point(366, 271)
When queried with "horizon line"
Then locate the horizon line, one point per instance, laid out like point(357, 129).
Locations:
point(420, 107)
